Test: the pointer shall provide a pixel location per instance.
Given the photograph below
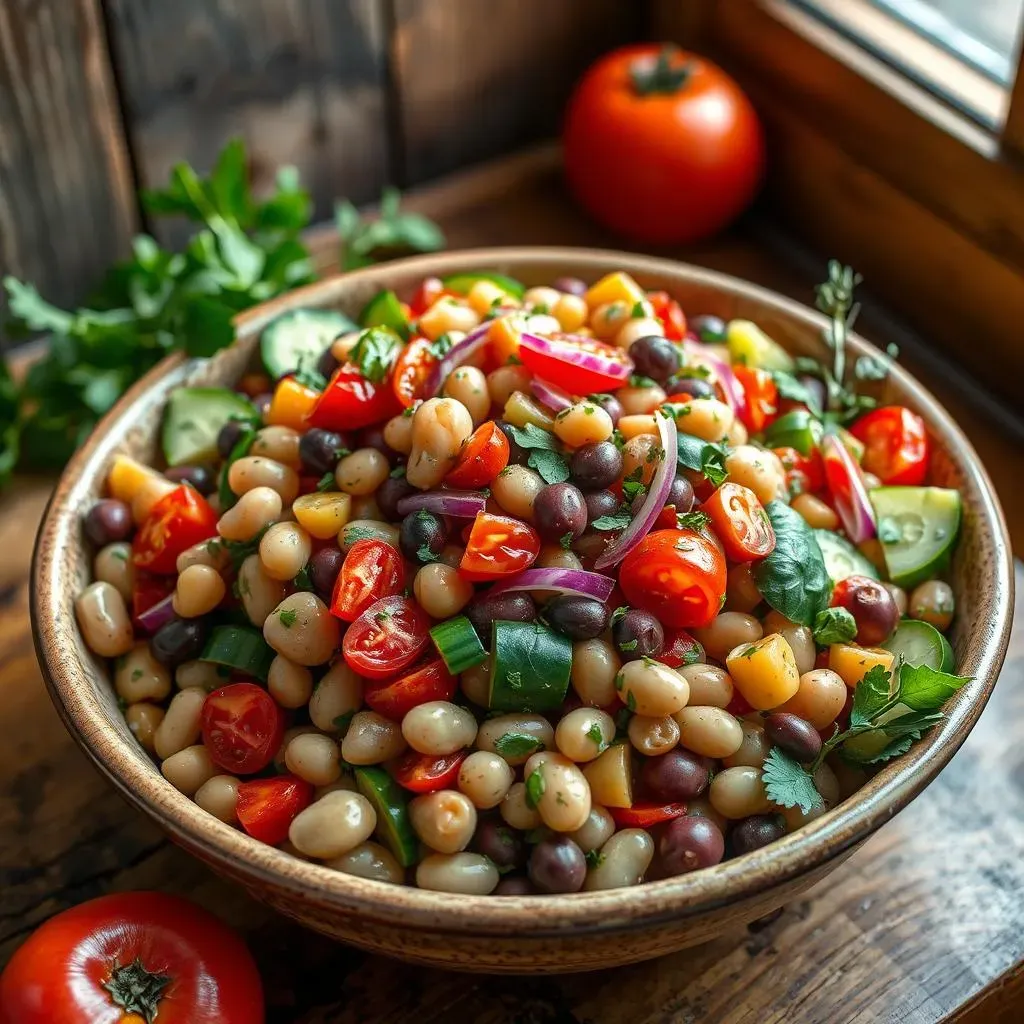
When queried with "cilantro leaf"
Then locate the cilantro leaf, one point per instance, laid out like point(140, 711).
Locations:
point(565, 541)
point(534, 788)
point(551, 466)
point(288, 617)
point(834, 626)
point(619, 521)
point(594, 858)
point(706, 457)
point(692, 520)
point(638, 380)
point(425, 555)
point(925, 689)
point(532, 436)
point(375, 352)
point(516, 744)
point(303, 581)
point(870, 697)
point(326, 482)
point(595, 735)
point(787, 783)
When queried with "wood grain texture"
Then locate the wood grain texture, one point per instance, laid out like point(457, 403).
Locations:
point(1013, 131)
point(66, 201)
point(477, 79)
point(302, 81)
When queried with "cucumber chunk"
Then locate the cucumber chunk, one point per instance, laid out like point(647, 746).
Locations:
point(530, 667)
point(298, 339)
point(749, 344)
point(920, 643)
point(842, 559)
point(796, 429)
point(917, 527)
point(193, 420)
point(462, 283)
point(394, 827)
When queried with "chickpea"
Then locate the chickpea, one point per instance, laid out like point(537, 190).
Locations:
point(571, 312)
point(583, 423)
point(218, 796)
point(370, 860)
point(255, 471)
point(623, 860)
point(564, 803)
point(707, 418)
point(595, 664)
point(475, 683)
point(738, 793)
point(491, 736)
point(710, 686)
point(815, 512)
point(338, 694)
point(485, 778)
point(313, 757)
point(595, 831)
point(504, 381)
point(642, 453)
point(741, 593)
point(189, 769)
point(634, 426)
point(199, 590)
point(113, 565)
point(362, 472)
point(260, 594)
point(584, 733)
point(899, 596)
point(207, 552)
point(470, 873)
point(103, 619)
point(635, 328)
point(800, 639)
point(651, 688)
point(639, 401)
point(441, 591)
point(138, 676)
point(438, 727)
point(180, 726)
point(398, 432)
point(445, 820)
point(554, 556)
point(302, 629)
point(468, 385)
point(284, 551)
point(606, 320)
point(653, 736)
point(728, 630)
point(516, 812)
point(143, 720)
point(371, 739)
point(933, 602)
point(333, 825)
point(541, 296)
point(759, 469)
point(754, 748)
point(439, 429)
point(447, 315)
point(253, 511)
point(515, 489)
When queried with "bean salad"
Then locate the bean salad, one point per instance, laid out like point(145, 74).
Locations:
point(507, 590)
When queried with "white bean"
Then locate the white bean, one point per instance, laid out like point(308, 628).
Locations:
point(441, 591)
point(564, 802)
point(371, 739)
point(651, 688)
point(313, 757)
point(622, 861)
point(278, 443)
point(469, 873)
point(333, 825)
point(516, 736)
point(302, 629)
point(438, 727)
point(289, 684)
point(284, 550)
point(595, 831)
point(653, 736)
point(439, 428)
point(445, 820)
point(189, 769)
point(103, 620)
point(485, 778)
point(583, 423)
point(253, 471)
point(338, 694)
point(143, 719)
point(251, 513)
point(219, 796)
point(370, 860)
point(468, 385)
point(584, 733)
point(362, 472)
point(139, 676)
point(516, 811)
point(180, 726)
point(113, 565)
point(595, 665)
point(199, 590)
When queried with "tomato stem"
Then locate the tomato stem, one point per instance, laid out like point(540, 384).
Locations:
point(137, 990)
point(666, 75)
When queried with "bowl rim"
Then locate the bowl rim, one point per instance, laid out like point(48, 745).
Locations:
point(652, 903)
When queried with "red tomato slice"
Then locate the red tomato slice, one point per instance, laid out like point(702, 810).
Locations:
point(371, 570)
point(242, 728)
point(803, 474)
point(351, 401)
point(670, 313)
point(498, 546)
point(267, 807)
point(394, 698)
point(741, 523)
point(762, 403)
point(429, 291)
point(571, 364)
point(412, 368)
point(176, 522)
point(388, 637)
point(482, 458)
point(427, 773)
point(643, 814)
point(680, 649)
point(147, 591)
point(896, 445)
point(677, 575)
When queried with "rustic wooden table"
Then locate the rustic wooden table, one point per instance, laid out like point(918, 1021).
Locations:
point(925, 923)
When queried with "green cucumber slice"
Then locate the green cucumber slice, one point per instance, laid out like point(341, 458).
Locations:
point(394, 827)
point(457, 643)
point(920, 643)
point(384, 310)
point(797, 429)
point(239, 647)
point(462, 283)
point(750, 345)
point(530, 667)
point(917, 527)
point(842, 559)
point(298, 339)
point(193, 420)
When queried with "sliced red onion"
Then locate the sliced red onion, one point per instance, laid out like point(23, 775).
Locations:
point(657, 496)
point(461, 352)
point(582, 352)
point(460, 504)
point(565, 581)
point(846, 484)
point(732, 389)
point(157, 615)
point(551, 395)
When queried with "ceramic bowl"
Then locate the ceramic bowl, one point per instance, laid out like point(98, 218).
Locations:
point(514, 934)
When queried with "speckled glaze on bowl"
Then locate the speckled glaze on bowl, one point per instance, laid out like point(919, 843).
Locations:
point(513, 934)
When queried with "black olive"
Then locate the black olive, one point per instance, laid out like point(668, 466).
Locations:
point(202, 478)
point(483, 609)
point(390, 493)
point(708, 328)
point(321, 450)
point(178, 641)
point(595, 466)
point(557, 865)
point(756, 831)
point(610, 404)
point(655, 357)
point(682, 389)
point(324, 567)
point(681, 494)
point(228, 436)
point(796, 736)
point(421, 537)
point(638, 634)
point(327, 363)
point(559, 512)
point(107, 521)
point(600, 503)
point(577, 617)
point(517, 454)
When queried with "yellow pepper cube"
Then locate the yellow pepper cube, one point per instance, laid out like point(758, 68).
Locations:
point(322, 515)
point(764, 672)
point(610, 777)
point(504, 340)
point(291, 404)
point(128, 477)
point(616, 287)
point(852, 663)
point(520, 409)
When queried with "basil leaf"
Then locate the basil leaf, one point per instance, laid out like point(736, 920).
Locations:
point(704, 456)
point(834, 626)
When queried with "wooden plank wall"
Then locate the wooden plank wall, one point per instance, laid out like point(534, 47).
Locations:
point(99, 97)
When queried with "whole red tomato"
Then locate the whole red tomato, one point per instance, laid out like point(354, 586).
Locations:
point(132, 957)
point(661, 145)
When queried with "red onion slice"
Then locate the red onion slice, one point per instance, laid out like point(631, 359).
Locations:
point(157, 615)
point(846, 485)
point(551, 395)
point(459, 353)
point(582, 352)
point(565, 581)
point(735, 396)
point(657, 496)
point(460, 504)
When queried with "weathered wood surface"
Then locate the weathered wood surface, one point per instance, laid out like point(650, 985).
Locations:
point(923, 924)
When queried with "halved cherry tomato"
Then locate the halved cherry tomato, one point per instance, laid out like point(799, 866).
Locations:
point(680, 649)
point(762, 403)
point(148, 590)
point(896, 445)
point(242, 728)
point(643, 814)
point(738, 707)
point(176, 522)
point(412, 368)
point(677, 575)
point(394, 698)
point(429, 291)
point(741, 523)
point(351, 401)
point(670, 313)
point(498, 546)
point(267, 807)
point(388, 637)
point(482, 458)
point(563, 365)
point(371, 570)
point(427, 773)
point(803, 474)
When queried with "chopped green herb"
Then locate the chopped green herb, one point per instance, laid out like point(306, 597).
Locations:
point(516, 744)
point(551, 466)
point(303, 581)
point(594, 858)
point(619, 521)
point(620, 681)
point(440, 347)
point(534, 788)
point(637, 380)
point(834, 626)
point(341, 723)
point(288, 617)
point(121, 554)
point(595, 735)
point(375, 352)
point(137, 674)
point(692, 520)
point(639, 310)
point(631, 701)
point(619, 613)
point(629, 645)
point(397, 473)
point(566, 540)
point(326, 482)
point(425, 555)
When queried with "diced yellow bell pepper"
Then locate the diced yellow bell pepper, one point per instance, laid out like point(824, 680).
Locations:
point(291, 404)
point(127, 477)
point(322, 515)
point(852, 663)
point(610, 777)
point(764, 672)
point(615, 287)
point(504, 340)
